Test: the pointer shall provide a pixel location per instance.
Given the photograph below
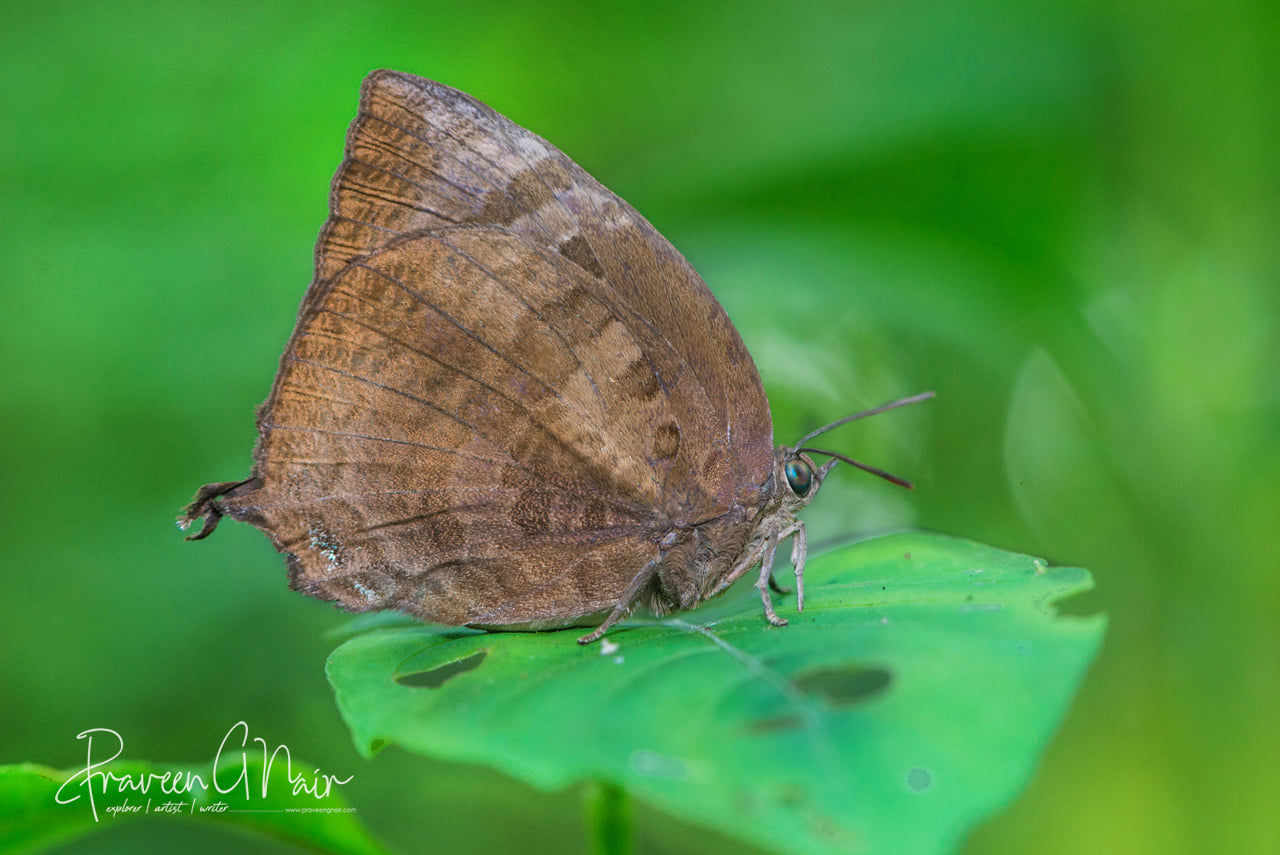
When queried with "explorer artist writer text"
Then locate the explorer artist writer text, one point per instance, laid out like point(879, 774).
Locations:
point(229, 773)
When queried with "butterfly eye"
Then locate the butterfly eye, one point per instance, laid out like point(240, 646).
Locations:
point(800, 477)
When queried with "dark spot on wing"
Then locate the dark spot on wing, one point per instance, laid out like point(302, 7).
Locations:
point(577, 250)
point(639, 380)
point(531, 511)
point(526, 194)
point(666, 441)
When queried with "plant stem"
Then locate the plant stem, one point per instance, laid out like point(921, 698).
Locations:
point(607, 809)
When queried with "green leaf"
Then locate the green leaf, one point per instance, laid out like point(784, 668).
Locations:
point(910, 699)
point(42, 807)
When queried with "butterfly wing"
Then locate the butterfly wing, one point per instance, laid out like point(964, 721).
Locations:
point(504, 386)
point(422, 156)
point(473, 446)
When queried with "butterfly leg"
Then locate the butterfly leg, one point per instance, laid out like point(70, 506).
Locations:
point(647, 572)
point(762, 584)
point(799, 549)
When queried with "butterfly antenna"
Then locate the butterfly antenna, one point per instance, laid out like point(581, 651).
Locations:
point(888, 476)
point(901, 402)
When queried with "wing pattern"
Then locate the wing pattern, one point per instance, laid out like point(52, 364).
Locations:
point(504, 386)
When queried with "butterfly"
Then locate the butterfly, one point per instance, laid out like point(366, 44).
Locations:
point(508, 401)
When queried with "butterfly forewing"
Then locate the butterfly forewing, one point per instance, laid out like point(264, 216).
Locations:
point(423, 156)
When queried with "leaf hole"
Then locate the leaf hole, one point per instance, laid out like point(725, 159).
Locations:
point(775, 723)
point(1082, 604)
point(844, 686)
point(434, 678)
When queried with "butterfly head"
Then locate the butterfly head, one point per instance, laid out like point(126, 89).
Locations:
point(803, 477)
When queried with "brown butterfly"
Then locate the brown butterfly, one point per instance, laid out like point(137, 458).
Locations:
point(508, 400)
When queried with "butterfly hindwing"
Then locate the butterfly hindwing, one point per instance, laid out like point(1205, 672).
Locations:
point(488, 419)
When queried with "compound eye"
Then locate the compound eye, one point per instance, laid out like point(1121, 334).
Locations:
point(799, 477)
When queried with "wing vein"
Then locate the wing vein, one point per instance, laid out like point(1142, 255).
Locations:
point(606, 497)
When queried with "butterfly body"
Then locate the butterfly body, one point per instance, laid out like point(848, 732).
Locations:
point(507, 400)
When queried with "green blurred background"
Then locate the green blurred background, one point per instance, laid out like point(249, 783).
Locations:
point(1062, 216)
